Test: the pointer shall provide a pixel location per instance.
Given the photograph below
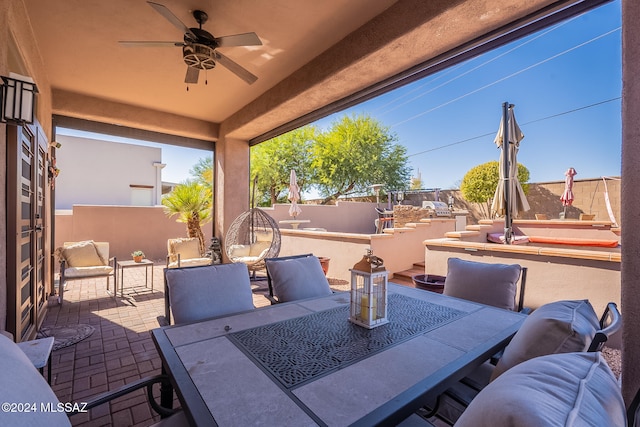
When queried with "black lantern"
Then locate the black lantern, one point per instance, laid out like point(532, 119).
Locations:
point(17, 99)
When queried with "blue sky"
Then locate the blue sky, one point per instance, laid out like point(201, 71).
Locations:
point(565, 82)
point(448, 121)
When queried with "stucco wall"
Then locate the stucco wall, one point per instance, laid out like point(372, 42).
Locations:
point(345, 217)
point(126, 228)
point(549, 278)
point(544, 198)
point(102, 172)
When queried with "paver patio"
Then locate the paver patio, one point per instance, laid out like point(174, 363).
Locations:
point(119, 351)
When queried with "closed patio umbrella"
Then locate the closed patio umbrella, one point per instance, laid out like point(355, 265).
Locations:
point(567, 196)
point(509, 199)
point(294, 195)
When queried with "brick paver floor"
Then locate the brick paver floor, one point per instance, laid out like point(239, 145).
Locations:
point(119, 351)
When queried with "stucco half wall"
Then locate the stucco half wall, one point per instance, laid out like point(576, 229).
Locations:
point(550, 278)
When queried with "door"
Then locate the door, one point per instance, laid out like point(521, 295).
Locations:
point(26, 222)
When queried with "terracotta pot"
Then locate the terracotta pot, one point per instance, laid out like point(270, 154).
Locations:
point(137, 258)
point(324, 262)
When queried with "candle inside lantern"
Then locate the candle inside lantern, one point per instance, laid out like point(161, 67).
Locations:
point(364, 307)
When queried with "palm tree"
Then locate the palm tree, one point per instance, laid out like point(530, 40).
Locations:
point(192, 202)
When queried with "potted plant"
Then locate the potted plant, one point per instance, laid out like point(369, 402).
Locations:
point(137, 256)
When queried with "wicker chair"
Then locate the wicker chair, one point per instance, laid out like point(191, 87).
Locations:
point(252, 237)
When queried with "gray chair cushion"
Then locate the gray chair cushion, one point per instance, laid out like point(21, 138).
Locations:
point(298, 278)
point(491, 284)
point(21, 383)
point(557, 327)
point(197, 293)
point(570, 389)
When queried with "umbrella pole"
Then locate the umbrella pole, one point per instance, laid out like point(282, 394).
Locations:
point(505, 170)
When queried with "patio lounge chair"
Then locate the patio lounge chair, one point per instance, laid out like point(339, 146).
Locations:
point(295, 277)
point(185, 252)
point(80, 260)
point(197, 293)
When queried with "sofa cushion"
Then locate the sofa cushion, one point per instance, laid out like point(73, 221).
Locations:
point(236, 251)
point(297, 278)
point(197, 293)
point(569, 389)
point(259, 249)
point(100, 270)
point(82, 254)
point(491, 284)
point(557, 327)
point(192, 262)
point(21, 384)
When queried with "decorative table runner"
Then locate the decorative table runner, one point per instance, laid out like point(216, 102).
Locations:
point(297, 350)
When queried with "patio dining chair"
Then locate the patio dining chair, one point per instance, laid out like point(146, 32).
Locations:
point(295, 277)
point(557, 327)
point(490, 284)
point(198, 293)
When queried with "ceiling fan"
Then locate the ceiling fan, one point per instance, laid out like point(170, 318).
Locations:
point(199, 46)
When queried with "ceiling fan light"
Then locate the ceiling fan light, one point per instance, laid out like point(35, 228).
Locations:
point(199, 56)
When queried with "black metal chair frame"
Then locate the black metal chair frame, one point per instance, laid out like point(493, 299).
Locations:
point(164, 409)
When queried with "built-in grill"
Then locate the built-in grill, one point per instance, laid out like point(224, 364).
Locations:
point(440, 209)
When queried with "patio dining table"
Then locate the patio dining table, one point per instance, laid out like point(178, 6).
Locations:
point(303, 363)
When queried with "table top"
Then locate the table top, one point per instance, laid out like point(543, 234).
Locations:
point(304, 363)
point(132, 263)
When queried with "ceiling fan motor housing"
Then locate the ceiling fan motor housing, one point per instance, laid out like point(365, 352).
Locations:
point(199, 56)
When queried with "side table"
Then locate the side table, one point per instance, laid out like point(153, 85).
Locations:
point(39, 353)
point(121, 265)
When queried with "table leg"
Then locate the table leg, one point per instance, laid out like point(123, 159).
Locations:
point(166, 392)
point(151, 277)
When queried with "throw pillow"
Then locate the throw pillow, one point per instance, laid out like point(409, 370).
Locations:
point(187, 248)
point(298, 278)
point(82, 254)
point(569, 389)
point(491, 284)
point(557, 327)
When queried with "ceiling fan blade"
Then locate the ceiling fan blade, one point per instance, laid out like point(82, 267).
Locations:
point(245, 39)
point(235, 68)
point(192, 75)
point(150, 44)
point(169, 16)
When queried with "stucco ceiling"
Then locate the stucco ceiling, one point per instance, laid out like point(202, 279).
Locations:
point(78, 41)
point(314, 53)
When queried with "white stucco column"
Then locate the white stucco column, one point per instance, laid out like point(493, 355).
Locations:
point(158, 186)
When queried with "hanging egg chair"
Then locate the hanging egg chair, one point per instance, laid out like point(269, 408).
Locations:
point(252, 237)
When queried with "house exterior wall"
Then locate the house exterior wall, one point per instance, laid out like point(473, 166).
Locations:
point(95, 172)
point(19, 54)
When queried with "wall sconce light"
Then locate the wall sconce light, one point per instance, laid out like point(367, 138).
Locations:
point(54, 144)
point(17, 99)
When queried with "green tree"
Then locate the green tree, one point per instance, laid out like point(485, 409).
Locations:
point(273, 160)
point(355, 153)
point(202, 171)
point(192, 203)
point(479, 184)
